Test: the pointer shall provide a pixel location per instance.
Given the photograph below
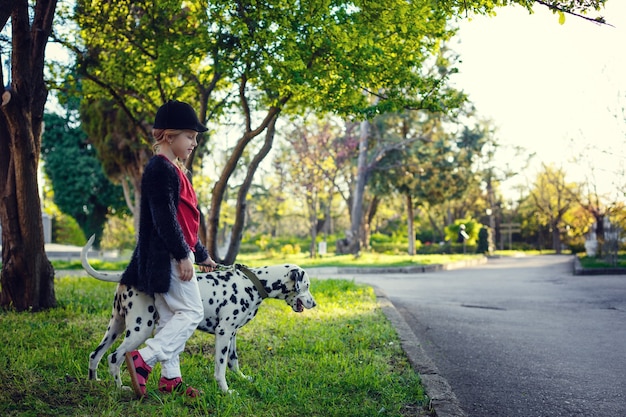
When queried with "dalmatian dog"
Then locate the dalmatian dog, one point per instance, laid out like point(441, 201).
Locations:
point(231, 298)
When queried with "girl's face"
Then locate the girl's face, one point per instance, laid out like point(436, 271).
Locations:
point(183, 144)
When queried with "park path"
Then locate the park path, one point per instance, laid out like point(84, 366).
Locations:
point(517, 336)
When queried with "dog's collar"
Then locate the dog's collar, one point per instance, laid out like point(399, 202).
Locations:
point(255, 280)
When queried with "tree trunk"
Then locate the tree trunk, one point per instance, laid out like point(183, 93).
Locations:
point(132, 184)
point(359, 190)
point(411, 224)
point(313, 229)
point(556, 238)
point(268, 124)
point(27, 276)
point(220, 189)
point(366, 232)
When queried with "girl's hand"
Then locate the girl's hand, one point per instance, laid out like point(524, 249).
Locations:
point(208, 265)
point(185, 269)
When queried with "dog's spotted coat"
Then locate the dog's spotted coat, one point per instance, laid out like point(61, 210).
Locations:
point(230, 300)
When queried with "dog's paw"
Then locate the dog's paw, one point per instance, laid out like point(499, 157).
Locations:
point(244, 376)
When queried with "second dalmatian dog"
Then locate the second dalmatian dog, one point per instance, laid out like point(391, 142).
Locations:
point(231, 298)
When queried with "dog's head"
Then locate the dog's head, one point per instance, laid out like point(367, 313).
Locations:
point(299, 297)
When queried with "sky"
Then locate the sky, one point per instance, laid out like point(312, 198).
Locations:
point(557, 90)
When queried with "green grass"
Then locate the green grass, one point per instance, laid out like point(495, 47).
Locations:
point(593, 262)
point(342, 358)
point(531, 252)
point(60, 264)
point(365, 260)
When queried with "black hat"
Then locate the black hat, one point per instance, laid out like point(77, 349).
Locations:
point(178, 115)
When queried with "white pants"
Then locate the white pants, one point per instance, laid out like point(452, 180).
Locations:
point(180, 311)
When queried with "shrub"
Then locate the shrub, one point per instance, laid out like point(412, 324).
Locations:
point(119, 234)
point(471, 228)
point(66, 231)
point(290, 249)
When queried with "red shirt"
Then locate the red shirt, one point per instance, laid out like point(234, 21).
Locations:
point(188, 214)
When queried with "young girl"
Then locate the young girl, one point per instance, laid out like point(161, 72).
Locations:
point(162, 263)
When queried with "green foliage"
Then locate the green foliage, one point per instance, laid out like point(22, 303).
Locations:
point(80, 188)
point(472, 227)
point(356, 59)
point(66, 231)
point(576, 245)
point(349, 364)
point(435, 164)
point(122, 148)
point(552, 205)
point(595, 262)
point(265, 243)
point(438, 255)
point(290, 249)
point(395, 244)
point(119, 234)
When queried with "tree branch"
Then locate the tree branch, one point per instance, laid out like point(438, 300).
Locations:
point(598, 20)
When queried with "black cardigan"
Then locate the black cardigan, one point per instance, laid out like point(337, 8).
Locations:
point(160, 236)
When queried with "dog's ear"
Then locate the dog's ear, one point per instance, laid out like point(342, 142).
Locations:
point(297, 275)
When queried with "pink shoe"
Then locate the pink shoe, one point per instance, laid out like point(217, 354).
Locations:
point(139, 372)
point(176, 385)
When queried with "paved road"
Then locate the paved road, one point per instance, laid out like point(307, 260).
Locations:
point(520, 336)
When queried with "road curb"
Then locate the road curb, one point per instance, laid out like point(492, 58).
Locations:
point(443, 400)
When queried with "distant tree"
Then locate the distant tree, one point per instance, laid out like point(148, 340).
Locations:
point(319, 153)
point(271, 204)
point(432, 170)
point(600, 195)
point(552, 197)
point(81, 189)
point(121, 147)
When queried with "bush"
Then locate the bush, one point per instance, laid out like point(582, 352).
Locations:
point(283, 244)
point(66, 231)
point(118, 234)
point(577, 245)
point(380, 238)
point(290, 249)
point(433, 249)
point(471, 228)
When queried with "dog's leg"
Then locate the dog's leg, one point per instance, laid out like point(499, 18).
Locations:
point(223, 340)
point(233, 359)
point(137, 331)
point(116, 326)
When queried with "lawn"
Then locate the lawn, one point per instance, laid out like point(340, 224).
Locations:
point(342, 358)
point(303, 260)
point(593, 262)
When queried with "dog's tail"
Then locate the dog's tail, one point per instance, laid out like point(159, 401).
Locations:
point(103, 276)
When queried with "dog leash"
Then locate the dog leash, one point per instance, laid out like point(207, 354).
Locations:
point(255, 280)
point(249, 274)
